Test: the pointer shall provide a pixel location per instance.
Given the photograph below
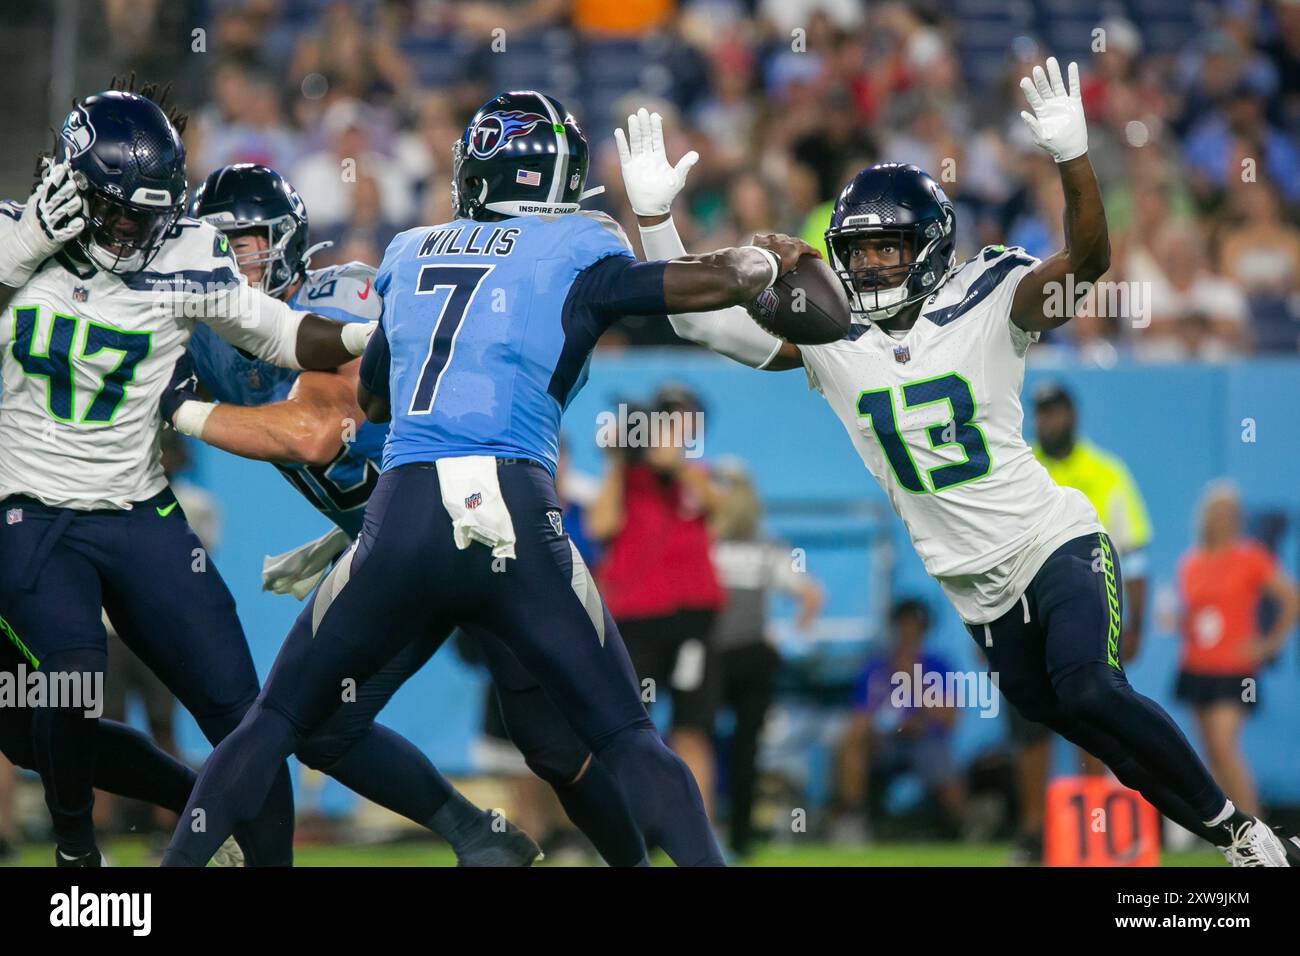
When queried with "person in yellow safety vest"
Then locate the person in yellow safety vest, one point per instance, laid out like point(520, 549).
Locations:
point(1074, 462)
point(1077, 463)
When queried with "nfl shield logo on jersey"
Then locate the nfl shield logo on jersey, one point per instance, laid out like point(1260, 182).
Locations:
point(13, 515)
point(80, 293)
point(557, 524)
point(474, 500)
point(902, 354)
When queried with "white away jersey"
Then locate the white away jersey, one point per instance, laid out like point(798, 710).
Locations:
point(936, 417)
point(85, 359)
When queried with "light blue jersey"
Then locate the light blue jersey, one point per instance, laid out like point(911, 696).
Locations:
point(487, 330)
point(340, 489)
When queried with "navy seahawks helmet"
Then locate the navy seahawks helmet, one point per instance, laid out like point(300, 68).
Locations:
point(249, 198)
point(521, 155)
point(128, 162)
point(892, 200)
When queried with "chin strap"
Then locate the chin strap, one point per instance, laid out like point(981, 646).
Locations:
point(312, 250)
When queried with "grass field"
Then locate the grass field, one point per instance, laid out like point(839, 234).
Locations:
point(137, 852)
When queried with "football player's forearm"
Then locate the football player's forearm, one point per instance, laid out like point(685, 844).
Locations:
point(717, 280)
point(1087, 239)
point(730, 332)
point(6, 293)
point(1035, 306)
point(324, 344)
point(290, 431)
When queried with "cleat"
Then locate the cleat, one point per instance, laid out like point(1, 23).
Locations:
point(1254, 844)
point(92, 859)
point(511, 847)
point(1290, 843)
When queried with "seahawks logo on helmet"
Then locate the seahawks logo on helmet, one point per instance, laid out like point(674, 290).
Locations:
point(77, 133)
point(496, 129)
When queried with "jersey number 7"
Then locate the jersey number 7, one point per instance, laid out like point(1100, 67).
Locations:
point(878, 407)
point(463, 281)
point(56, 367)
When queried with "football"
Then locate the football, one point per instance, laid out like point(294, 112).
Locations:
point(806, 306)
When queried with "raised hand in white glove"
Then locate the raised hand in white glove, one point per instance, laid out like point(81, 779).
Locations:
point(53, 215)
point(1057, 123)
point(652, 183)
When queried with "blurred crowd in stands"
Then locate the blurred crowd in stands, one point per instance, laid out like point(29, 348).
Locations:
point(1194, 114)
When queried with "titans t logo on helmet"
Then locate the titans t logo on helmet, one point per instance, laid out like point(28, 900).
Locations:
point(496, 129)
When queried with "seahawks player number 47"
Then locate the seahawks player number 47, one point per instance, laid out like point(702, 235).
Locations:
point(102, 282)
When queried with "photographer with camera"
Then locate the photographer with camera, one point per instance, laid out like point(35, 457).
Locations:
point(656, 573)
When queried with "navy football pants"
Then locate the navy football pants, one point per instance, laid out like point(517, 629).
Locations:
point(1056, 655)
point(405, 584)
point(166, 599)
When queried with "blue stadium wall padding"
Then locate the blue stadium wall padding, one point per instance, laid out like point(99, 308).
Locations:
point(1176, 426)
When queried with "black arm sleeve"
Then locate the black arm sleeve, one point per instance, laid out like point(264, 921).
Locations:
point(375, 362)
point(619, 285)
point(603, 292)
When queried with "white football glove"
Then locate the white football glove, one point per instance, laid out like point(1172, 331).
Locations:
point(651, 182)
point(1057, 123)
point(296, 572)
point(53, 215)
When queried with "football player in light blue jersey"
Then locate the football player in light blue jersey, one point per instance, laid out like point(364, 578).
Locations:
point(307, 427)
point(487, 327)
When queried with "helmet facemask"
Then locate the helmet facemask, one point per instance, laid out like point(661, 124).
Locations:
point(128, 163)
point(278, 270)
point(881, 292)
point(123, 237)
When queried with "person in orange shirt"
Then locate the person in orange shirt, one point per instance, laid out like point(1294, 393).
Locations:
point(601, 19)
point(1221, 582)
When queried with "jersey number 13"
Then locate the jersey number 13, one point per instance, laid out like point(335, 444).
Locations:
point(878, 408)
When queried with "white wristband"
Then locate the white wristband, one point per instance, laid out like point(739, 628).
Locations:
point(356, 334)
point(775, 263)
point(191, 417)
